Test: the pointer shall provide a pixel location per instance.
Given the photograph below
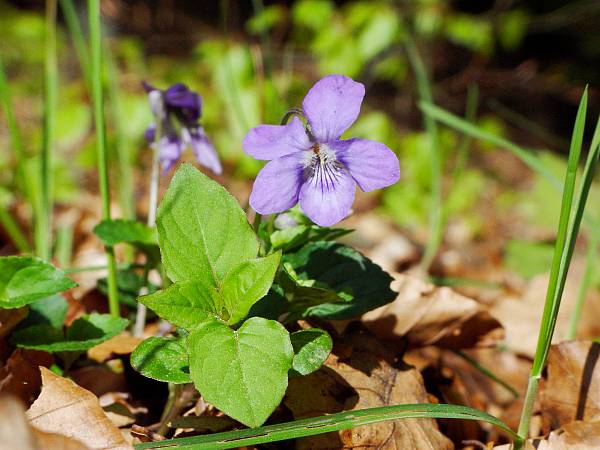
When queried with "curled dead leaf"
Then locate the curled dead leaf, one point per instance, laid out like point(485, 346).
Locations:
point(20, 376)
point(571, 390)
point(68, 410)
point(428, 315)
point(369, 377)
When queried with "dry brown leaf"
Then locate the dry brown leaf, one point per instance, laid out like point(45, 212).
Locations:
point(16, 433)
point(521, 314)
point(122, 344)
point(20, 376)
point(572, 388)
point(427, 315)
point(369, 377)
point(69, 410)
point(9, 318)
point(576, 435)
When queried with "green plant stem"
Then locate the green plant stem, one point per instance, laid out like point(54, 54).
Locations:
point(326, 424)
point(171, 407)
point(568, 229)
point(83, 55)
point(16, 143)
point(435, 199)
point(64, 245)
point(140, 318)
point(43, 223)
point(584, 284)
point(13, 230)
point(96, 65)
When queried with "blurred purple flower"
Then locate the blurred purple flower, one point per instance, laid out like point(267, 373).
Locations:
point(178, 109)
point(313, 166)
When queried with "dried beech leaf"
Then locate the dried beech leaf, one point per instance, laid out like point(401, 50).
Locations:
point(368, 378)
point(576, 435)
point(20, 376)
point(571, 390)
point(69, 410)
point(9, 318)
point(16, 433)
point(427, 315)
point(122, 344)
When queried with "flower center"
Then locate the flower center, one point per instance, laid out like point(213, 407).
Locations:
point(321, 164)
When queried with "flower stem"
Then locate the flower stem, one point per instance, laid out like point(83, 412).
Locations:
point(171, 407)
point(435, 198)
point(43, 224)
point(96, 80)
point(140, 318)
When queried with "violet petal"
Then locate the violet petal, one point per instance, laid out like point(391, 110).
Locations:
point(204, 151)
point(327, 196)
point(372, 164)
point(277, 185)
point(332, 105)
point(273, 141)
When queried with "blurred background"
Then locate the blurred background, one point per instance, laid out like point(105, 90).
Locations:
point(523, 64)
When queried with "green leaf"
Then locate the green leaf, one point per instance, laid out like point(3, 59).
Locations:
point(311, 349)
point(138, 234)
point(203, 233)
point(25, 279)
point(83, 334)
point(47, 311)
point(112, 232)
point(247, 283)
point(344, 271)
point(162, 359)
point(292, 238)
point(244, 373)
point(185, 304)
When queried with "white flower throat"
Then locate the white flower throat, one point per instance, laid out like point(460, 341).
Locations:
point(322, 166)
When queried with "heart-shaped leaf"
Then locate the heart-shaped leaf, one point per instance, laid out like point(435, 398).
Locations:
point(247, 283)
point(311, 348)
point(244, 373)
point(162, 359)
point(25, 279)
point(203, 233)
point(185, 304)
point(83, 334)
point(343, 270)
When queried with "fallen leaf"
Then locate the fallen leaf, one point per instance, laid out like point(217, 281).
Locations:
point(122, 344)
point(576, 435)
point(370, 377)
point(10, 318)
point(17, 433)
point(20, 376)
point(69, 410)
point(521, 314)
point(428, 315)
point(571, 390)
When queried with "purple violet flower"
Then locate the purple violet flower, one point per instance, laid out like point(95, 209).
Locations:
point(178, 109)
point(313, 166)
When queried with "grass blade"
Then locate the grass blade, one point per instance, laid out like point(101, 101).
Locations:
point(96, 66)
point(459, 124)
point(568, 229)
point(325, 424)
point(436, 222)
point(43, 223)
point(83, 55)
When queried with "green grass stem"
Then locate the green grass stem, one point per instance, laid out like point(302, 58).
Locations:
point(436, 223)
point(11, 227)
point(97, 95)
point(325, 424)
point(81, 50)
point(571, 214)
point(43, 222)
